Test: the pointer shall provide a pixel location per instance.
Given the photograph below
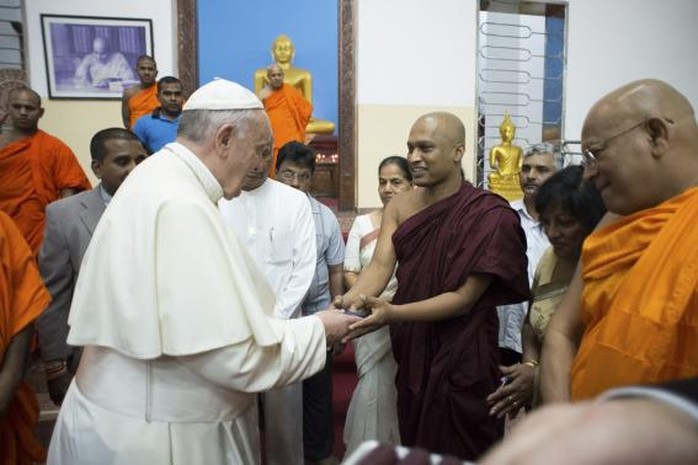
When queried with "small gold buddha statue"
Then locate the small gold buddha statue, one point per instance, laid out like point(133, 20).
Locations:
point(505, 163)
point(282, 53)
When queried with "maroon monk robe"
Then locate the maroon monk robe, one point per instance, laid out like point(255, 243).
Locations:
point(446, 369)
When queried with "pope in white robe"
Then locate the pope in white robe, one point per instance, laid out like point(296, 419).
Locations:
point(176, 320)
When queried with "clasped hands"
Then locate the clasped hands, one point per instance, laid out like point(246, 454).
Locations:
point(374, 313)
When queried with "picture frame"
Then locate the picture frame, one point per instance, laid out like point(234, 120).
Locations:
point(90, 57)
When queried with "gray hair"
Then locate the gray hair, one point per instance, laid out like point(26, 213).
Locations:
point(543, 148)
point(201, 125)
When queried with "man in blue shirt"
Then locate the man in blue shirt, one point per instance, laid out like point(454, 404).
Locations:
point(160, 127)
point(295, 165)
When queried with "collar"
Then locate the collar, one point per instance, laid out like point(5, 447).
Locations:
point(106, 196)
point(157, 114)
point(520, 208)
point(208, 181)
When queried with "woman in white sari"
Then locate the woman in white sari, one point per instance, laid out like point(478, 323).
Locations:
point(372, 412)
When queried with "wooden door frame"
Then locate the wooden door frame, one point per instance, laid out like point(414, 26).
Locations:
point(187, 55)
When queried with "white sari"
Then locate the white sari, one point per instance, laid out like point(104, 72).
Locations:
point(372, 412)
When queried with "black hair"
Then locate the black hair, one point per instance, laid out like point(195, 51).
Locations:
point(98, 144)
point(168, 80)
point(400, 162)
point(296, 152)
point(578, 198)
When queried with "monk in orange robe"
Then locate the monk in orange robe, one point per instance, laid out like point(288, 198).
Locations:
point(621, 272)
point(289, 112)
point(22, 298)
point(35, 167)
point(141, 99)
point(638, 310)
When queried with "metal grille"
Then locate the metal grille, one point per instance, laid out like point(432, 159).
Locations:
point(571, 152)
point(521, 58)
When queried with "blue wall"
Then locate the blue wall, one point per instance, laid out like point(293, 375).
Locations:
point(235, 38)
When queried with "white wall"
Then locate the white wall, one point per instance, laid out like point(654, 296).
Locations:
point(412, 57)
point(413, 52)
point(415, 56)
point(613, 42)
point(160, 11)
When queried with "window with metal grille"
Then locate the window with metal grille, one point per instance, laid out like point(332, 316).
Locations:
point(521, 70)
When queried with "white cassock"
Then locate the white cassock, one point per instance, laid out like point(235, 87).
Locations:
point(274, 222)
point(178, 327)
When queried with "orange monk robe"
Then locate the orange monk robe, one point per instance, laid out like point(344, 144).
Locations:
point(22, 298)
point(142, 103)
point(640, 304)
point(289, 113)
point(33, 171)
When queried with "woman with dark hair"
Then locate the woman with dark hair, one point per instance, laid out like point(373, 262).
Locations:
point(569, 210)
point(372, 413)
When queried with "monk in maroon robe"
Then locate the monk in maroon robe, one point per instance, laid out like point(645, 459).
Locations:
point(446, 368)
point(461, 252)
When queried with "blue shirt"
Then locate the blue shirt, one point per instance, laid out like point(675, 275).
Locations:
point(330, 251)
point(155, 131)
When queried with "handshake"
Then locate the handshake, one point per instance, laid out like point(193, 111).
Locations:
point(346, 320)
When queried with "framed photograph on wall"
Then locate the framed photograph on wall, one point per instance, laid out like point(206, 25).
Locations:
point(92, 57)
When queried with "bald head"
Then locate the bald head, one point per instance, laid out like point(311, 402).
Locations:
point(435, 147)
point(644, 139)
point(641, 100)
point(275, 76)
point(99, 49)
point(446, 124)
point(24, 92)
point(24, 110)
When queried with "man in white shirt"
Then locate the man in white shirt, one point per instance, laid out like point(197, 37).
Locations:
point(176, 320)
point(539, 163)
point(274, 222)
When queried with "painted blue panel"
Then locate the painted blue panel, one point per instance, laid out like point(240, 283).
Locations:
point(235, 38)
point(554, 70)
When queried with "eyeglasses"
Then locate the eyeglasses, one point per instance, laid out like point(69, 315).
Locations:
point(291, 175)
point(591, 160)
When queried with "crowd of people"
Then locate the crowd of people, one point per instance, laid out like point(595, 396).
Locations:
point(188, 308)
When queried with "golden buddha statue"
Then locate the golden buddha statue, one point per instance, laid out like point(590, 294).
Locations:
point(505, 163)
point(282, 52)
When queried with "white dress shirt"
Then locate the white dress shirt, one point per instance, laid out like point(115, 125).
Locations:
point(511, 317)
point(274, 222)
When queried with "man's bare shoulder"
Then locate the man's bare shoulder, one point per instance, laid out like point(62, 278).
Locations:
point(131, 91)
point(406, 204)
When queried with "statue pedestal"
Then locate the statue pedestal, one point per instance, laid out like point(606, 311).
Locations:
point(326, 177)
point(506, 186)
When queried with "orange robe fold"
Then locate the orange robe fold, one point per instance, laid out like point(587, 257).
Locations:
point(640, 304)
point(33, 171)
point(142, 103)
point(22, 298)
point(289, 113)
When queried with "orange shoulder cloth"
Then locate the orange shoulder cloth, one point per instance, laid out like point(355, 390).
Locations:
point(142, 103)
point(639, 303)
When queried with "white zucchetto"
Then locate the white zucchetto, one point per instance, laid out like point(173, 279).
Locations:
point(221, 94)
